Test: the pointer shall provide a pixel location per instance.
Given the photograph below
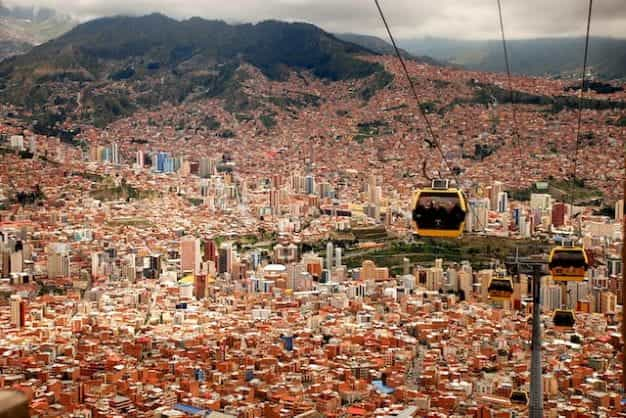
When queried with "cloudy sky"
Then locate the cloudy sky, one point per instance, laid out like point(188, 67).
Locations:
point(467, 19)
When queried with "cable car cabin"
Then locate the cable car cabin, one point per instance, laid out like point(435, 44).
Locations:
point(439, 211)
point(563, 318)
point(568, 264)
point(500, 288)
point(519, 397)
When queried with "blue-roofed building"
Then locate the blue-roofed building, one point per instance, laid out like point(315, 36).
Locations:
point(382, 388)
point(191, 410)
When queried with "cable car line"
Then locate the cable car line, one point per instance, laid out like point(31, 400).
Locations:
point(436, 224)
point(511, 95)
point(580, 111)
point(429, 127)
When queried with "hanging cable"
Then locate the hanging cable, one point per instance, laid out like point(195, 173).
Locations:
point(435, 140)
point(511, 95)
point(580, 114)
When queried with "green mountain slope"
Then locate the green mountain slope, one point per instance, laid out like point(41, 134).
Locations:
point(120, 63)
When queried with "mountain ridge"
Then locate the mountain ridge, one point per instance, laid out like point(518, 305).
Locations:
point(553, 57)
point(160, 58)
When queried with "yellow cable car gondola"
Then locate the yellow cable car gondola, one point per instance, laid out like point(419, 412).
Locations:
point(439, 211)
point(568, 264)
point(564, 318)
point(500, 288)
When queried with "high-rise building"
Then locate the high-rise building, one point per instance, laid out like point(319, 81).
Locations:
point(17, 261)
point(275, 201)
point(484, 278)
point(58, 262)
point(503, 202)
point(139, 159)
point(309, 182)
point(115, 153)
point(338, 257)
point(478, 217)
point(540, 201)
point(524, 226)
point(434, 278)
point(558, 214)
point(464, 281)
point(495, 195)
point(190, 256)
point(608, 302)
point(225, 264)
point(551, 296)
point(619, 210)
point(329, 259)
point(18, 311)
point(614, 266)
point(210, 251)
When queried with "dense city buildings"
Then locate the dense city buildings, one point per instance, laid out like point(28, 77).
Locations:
point(159, 268)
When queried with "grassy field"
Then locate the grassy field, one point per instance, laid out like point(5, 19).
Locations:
point(478, 250)
point(559, 190)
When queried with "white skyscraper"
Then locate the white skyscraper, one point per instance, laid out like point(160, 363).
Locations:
point(115, 153)
point(329, 259)
point(338, 256)
point(139, 159)
point(619, 210)
point(551, 296)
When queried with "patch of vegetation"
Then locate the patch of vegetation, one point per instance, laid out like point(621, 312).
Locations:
point(211, 123)
point(621, 121)
point(29, 198)
point(398, 107)
point(440, 84)
point(379, 81)
point(123, 74)
point(301, 100)
point(428, 107)
point(243, 117)
point(195, 201)
point(480, 251)
point(123, 191)
point(268, 120)
point(560, 190)
point(374, 127)
point(107, 108)
point(26, 155)
point(606, 211)
point(226, 133)
point(485, 93)
point(482, 151)
point(96, 178)
point(138, 141)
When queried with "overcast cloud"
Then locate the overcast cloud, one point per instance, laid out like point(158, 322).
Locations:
point(466, 19)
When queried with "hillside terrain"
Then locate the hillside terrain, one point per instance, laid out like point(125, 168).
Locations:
point(555, 57)
point(275, 88)
point(108, 67)
point(381, 46)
